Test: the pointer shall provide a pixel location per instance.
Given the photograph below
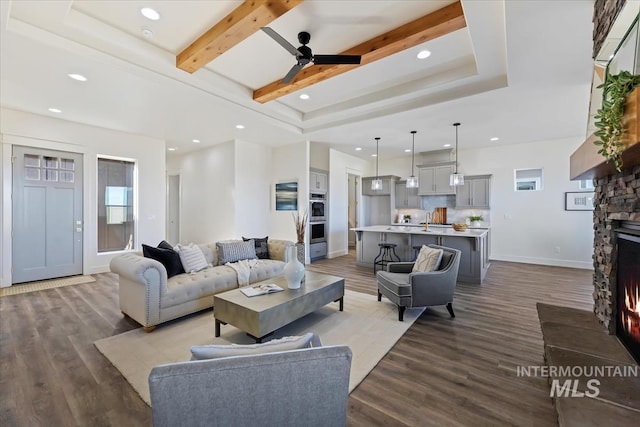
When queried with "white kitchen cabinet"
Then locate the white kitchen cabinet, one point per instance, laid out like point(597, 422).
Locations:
point(435, 179)
point(387, 183)
point(475, 193)
point(318, 182)
point(406, 198)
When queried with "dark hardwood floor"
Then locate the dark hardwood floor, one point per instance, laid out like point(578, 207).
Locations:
point(442, 372)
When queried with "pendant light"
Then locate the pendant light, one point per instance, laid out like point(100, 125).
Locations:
point(412, 181)
point(456, 178)
point(376, 184)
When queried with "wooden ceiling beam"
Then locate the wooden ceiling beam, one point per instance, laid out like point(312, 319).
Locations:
point(429, 27)
point(239, 24)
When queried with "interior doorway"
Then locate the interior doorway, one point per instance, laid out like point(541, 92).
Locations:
point(47, 214)
point(173, 209)
point(353, 215)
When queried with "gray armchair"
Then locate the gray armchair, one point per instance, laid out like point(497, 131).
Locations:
point(307, 387)
point(407, 289)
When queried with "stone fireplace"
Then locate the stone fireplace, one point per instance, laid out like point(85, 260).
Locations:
point(627, 309)
point(617, 204)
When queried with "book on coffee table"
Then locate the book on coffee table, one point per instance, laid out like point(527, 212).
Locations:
point(262, 289)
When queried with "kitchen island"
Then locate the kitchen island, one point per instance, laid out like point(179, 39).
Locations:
point(473, 243)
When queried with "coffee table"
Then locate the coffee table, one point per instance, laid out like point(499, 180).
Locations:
point(261, 315)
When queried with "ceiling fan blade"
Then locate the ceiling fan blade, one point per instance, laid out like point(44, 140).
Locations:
point(281, 41)
point(292, 73)
point(336, 59)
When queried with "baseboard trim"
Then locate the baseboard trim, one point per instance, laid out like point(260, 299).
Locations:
point(98, 269)
point(544, 261)
point(335, 254)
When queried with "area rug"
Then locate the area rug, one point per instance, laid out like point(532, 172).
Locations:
point(23, 288)
point(370, 329)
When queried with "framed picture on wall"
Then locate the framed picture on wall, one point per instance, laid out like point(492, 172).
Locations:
point(579, 201)
point(287, 196)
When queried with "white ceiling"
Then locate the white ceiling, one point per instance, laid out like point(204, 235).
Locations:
point(520, 70)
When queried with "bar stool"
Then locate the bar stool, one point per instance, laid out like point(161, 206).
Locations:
point(416, 251)
point(385, 255)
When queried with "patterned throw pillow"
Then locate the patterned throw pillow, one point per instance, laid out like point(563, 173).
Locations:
point(235, 250)
point(167, 257)
point(192, 258)
point(428, 260)
point(262, 246)
point(201, 352)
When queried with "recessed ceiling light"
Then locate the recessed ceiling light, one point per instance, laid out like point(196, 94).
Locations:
point(408, 150)
point(447, 145)
point(423, 54)
point(55, 110)
point(304, 96)
point(495, 138)
point(374, 155)
point(147, 32)
point(358, 148)
point(171, 149)
point(239, 127)
point(149, 13)
point(78, 77)
point(195, 140)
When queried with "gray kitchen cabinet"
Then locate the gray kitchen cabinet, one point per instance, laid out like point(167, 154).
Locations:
point(318, 182)
point(475, 193)
point(435, 179)
point(406, 198)
point(387, 182)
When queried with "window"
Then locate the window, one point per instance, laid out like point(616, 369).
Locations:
point(116, 219)
point(585, 184)
point(528, 179)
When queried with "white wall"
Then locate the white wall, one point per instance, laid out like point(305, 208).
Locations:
point(26, 129)
point(289, 163)
point(531, 226)
point(319, 156)
point(251, 194)
point(207, 186)
point(340, 166)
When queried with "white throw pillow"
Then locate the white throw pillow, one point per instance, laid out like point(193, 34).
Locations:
point(191, 257)
point(201, 352)
point(428, 260)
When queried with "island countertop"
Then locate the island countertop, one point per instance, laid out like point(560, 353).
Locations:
point(433, 231)
point(407, 241)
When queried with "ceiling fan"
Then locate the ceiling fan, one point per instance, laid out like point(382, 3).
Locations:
point(304, 55)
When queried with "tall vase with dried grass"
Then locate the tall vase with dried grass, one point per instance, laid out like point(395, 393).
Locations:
point(300, 221)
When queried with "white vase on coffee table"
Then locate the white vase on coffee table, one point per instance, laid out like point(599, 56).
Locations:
point(294, 270)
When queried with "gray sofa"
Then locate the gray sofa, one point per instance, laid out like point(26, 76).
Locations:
point(307, 387)
point(148, 297)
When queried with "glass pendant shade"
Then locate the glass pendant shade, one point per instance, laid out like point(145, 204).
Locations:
point(456, 178)
point(412, 181)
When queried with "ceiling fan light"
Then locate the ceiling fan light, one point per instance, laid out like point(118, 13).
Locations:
point(412, 182)
point(376, 184)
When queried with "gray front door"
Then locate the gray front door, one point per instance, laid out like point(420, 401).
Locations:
point(47, 214)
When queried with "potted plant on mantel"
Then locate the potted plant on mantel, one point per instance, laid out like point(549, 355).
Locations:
point(609, 118)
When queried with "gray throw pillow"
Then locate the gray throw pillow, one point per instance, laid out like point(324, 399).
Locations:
point(262, 246)
point(235, 250)
point(201, 352)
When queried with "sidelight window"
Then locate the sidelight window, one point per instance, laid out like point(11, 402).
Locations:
point(116, 216)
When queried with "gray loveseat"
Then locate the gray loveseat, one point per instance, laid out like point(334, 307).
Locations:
point(149, 298)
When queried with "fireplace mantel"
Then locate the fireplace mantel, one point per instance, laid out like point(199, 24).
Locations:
point(587, 163)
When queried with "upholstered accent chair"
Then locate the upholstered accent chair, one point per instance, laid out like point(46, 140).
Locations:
point(307, 387)
point(408, 289)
